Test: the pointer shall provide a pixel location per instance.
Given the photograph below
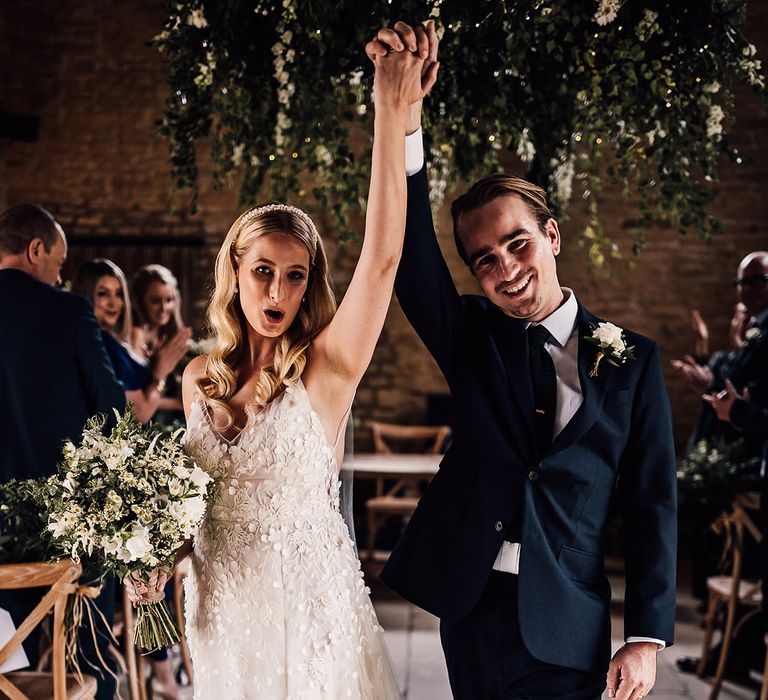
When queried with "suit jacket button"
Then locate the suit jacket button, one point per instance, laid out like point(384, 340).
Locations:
point(533, 475)
point(499, 526)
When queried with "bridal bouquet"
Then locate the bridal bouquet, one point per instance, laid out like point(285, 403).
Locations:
point(126, 503)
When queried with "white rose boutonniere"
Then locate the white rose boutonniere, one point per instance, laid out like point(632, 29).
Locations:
point(612, 345)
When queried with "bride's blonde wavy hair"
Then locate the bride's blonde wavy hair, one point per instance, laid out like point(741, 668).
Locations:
point(227, 322)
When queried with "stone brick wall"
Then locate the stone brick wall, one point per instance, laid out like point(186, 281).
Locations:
point(84, 70)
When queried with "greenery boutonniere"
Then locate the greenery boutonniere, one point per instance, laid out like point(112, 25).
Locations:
point(612, 346)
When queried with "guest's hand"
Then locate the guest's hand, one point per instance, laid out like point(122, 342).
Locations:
point(170, 352)
point(632, 671)
point(738, 325)
point(702, 333)
point(421, 39)
point(699, 377)
point(723, 401)
point(136, 589)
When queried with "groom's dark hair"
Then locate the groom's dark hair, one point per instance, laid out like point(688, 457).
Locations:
point(492, 187)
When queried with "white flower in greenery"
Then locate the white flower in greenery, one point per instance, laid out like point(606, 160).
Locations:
point(714, 122)
point(112, 545)
point(136, 546)
point(563, 173)
point(197, 19)
point(237, 156)
point(648, 26)
point(356, 78)
point(181, 472)
point(712, 87)
point(607, 11)
point(61, 524)
point(526, 151)
point(175, 487)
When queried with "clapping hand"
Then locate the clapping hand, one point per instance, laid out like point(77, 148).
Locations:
point(699, 377)
point(170, 351)
point(723, 401)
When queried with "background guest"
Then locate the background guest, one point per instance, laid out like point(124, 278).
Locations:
point(144, 381)
point(54, 374)
point(748, 365)
point(156, 319)
point(156, 307)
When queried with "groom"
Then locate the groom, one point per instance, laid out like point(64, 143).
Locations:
point(506, 546)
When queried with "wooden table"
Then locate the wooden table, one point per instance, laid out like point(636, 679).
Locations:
point(410, 467)
point(400, 499)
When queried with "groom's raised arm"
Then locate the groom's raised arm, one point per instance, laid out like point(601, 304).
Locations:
point(424, 285)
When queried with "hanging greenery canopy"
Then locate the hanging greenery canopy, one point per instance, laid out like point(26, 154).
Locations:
point(586, 92)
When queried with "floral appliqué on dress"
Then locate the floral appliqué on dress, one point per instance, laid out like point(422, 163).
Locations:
point(276, 606)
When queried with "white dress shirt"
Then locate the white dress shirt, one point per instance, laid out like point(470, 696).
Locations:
point(563, 348)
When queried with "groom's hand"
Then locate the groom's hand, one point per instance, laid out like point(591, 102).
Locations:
point(632, 672)
point(420, 40)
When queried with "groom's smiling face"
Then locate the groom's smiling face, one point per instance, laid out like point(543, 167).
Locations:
point(512, 257)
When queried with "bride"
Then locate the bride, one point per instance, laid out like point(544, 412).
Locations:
point(276, 606)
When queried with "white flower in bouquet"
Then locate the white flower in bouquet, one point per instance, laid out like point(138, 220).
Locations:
point(126, 503)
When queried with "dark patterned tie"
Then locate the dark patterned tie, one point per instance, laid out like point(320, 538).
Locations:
point(544, 381)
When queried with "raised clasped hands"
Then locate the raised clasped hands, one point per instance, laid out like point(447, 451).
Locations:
point(406, 65)
point(632, 671)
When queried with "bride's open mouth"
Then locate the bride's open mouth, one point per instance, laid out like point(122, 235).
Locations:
point(274, 315)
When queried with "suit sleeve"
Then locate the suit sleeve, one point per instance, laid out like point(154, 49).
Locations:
point(750, 418)
point(424, 286)
point(648, 495)
point(101, 388)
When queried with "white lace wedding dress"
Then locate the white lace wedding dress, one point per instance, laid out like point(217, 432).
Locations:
point(276, 606)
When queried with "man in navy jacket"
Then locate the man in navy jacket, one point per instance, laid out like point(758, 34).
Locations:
point(506, 546)
point(54, 371)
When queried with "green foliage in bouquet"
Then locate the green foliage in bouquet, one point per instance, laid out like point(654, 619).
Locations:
point(636, 93)
point(23, 522)
point(126, 502)
point(714, 471)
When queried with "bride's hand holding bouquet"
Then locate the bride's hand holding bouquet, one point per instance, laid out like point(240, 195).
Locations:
point(126, 504)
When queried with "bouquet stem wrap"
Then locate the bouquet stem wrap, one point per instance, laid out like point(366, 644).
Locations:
point(155, 628)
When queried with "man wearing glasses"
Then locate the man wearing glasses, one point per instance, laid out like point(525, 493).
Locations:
point(748, 366)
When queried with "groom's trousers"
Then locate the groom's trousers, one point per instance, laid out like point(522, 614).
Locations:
point(487, 659)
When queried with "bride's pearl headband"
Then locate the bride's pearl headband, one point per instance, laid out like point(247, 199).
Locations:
point(267, 208)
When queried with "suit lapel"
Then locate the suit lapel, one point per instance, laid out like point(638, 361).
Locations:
point(593, 389)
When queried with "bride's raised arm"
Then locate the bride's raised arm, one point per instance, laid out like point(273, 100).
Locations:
point(343, 350)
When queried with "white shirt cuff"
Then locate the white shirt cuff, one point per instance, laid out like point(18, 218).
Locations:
point(414, 152)
point(662, 644)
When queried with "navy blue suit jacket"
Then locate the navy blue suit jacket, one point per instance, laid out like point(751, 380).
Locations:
point(620, 440)
point(54, 374)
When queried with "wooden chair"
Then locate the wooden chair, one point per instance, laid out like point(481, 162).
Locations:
point(398, 500)
point(728, 593)
point(62, 579)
